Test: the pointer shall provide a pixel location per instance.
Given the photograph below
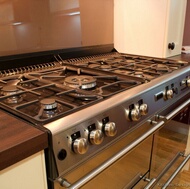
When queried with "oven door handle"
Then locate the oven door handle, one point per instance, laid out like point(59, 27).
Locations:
point(177, 110)
point(63, 182)
point(176, 171)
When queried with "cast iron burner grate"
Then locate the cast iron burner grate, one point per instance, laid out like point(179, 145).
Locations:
point(45, 95)
point(129, 65)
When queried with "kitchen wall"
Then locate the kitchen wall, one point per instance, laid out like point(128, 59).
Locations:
point(186, 37)
point(40, 25)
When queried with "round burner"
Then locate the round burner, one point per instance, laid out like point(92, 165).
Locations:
point(48, 104)
point(161, 68)
point(138, 74)
point(13, 94)
point(10, 90)
point(80, 81)
point(129, 61)
point(122, 72)
point(105, 67)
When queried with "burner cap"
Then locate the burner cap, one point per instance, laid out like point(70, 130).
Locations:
point(14, 91)
point(161, 67)
point(105, 67)
point(10, 90)
point(48, 103)
point(126, 72)
point(80, 81)
point(129, 61)
point(139, 74)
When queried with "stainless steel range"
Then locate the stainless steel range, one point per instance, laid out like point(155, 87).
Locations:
point(103, 110)
point(90, 103)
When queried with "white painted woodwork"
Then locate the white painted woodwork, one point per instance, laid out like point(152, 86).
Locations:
point(26, 174)
point(145, 27)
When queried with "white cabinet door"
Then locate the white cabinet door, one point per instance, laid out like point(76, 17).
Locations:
point(175, 26)
point(146, 27)
point(26, 174)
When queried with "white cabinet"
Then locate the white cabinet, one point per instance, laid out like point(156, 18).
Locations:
point(26, 174)
point(147, 27)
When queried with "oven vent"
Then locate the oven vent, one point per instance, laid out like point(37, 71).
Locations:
point(31, 68)
point(74, 61)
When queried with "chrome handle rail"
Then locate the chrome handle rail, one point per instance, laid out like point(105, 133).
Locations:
point(177, 110)
point(154, 181)
point(150, 184)
point(176, 171)
point(109, 162)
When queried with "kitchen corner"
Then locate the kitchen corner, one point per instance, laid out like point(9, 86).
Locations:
point(94, 94)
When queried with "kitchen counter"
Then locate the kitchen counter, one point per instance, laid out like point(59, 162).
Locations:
point(18, 140)
point(185, 57)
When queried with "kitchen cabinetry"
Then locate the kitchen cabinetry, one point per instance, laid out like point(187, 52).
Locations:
point(26, 174)
point(149, 27)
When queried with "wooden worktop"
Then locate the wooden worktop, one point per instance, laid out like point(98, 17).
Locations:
point(18, 140)
point(185, 57)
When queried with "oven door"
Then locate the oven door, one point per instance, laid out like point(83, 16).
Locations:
point(121, 165)
point(171, 150)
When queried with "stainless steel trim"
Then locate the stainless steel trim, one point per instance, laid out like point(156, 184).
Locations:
point(133, 181)
point(117, 156)
point(167, 167)
point(176, 171)
point(177, 110)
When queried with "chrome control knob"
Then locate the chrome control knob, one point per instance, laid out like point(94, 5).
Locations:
point(143, 109)
point(96, 136)
point(135, 114)
point(80, 146)
point(110, 129)
point(188, 82)
point(168, 94)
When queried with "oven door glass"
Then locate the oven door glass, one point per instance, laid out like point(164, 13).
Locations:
point(171, 153)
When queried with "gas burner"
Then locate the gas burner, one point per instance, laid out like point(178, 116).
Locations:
point(122, 71)
point(129, 61)
point(160, 68)
point(13, 92)
point(48, 104)
point(138, 74)
point(80, 81)
point(49, 108)
point(99, 66)
point(105, 67)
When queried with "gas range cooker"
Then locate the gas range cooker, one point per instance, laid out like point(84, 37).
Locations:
point(46, 94)
point(89, 103)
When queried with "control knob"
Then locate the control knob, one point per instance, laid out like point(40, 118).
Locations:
point(168, 94)
point(188, 82)
point(110, 129)
point(80, 146)
point(135, 114)
point(96, 136)
point(143, 109)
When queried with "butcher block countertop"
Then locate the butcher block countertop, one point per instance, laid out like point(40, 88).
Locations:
point(18, 140)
